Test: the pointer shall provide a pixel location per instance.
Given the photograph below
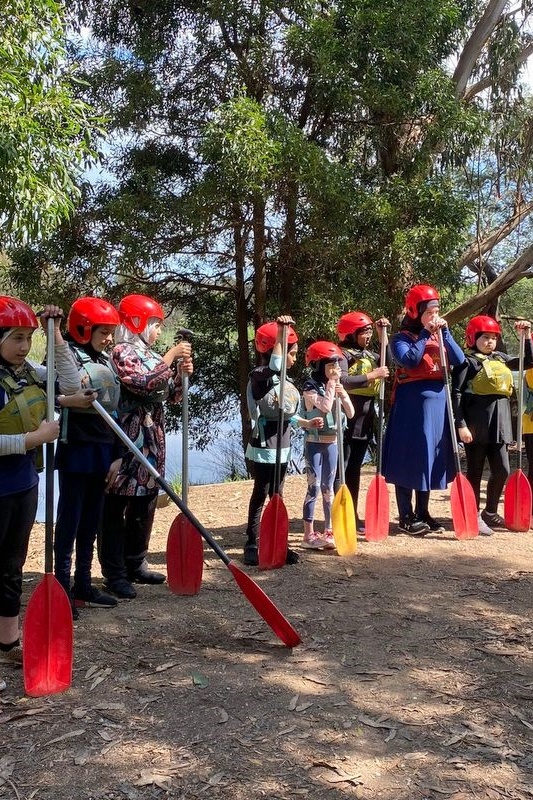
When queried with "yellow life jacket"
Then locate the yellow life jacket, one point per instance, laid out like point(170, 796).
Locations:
point(26, 402)
point(494, 377)
point(363, 363)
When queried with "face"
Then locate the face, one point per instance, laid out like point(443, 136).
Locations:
point(102, 337)
point(17, 346)
point(486, 343)
point(429, 315)
point(154, 331)
point(292, 354)
point(364, 335)
point(332, 370)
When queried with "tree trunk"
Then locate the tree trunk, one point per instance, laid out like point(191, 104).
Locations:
point(287, 249)
point(241, 314)
point(259, 261)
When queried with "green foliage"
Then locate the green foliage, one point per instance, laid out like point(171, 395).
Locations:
point(45, 132)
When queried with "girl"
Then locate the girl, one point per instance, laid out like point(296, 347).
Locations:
point(417, 451)
point(481, 388)
point(147, 380)
point(319, 394)
point(360, 375)
point(23, 429)
point(88, 455)
point(263, 403)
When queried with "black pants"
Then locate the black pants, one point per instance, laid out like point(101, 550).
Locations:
point(125, 534)
point(528, 443)
point(16, 521)
point(498, 460)
point(354, 455)
point(263, 487)
point(404, 501)
point(79, 511)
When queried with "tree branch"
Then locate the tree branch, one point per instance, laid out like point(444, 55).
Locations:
point(503, 282)
point(477, 249)
point(475, 44)
point(485, 83)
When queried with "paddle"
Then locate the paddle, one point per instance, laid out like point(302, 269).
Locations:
point(517, 497)
point(185, 553)
point(47, 629)
point(377, 497)
point(260, 601)
point(462, 497)
point(343, 519)
point(274, 527)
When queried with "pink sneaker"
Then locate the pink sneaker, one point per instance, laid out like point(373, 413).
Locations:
point(313, 541)
point(327, 538)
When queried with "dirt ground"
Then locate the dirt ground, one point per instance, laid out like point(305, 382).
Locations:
point(414, 679)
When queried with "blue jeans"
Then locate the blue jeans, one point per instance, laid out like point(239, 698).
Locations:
point(321, 465)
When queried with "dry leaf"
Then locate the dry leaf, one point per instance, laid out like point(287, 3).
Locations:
point(376, 723)
point(294, 702)
point(78, 713)
point(223, 716)
point(316, 679)
point(7, 765)
point(158, 777)
point(215, 779)
point(105, 735)
point(70, 735)
point(303, 707)
point(168, 665)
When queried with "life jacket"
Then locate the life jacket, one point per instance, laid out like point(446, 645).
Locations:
point(428, 368)
point(494, 377)
point(330, 427)
point(363, 362)
point(25, 408)
point(528, 400)
point(267, 407)
point(129, 401)
point(100, 376)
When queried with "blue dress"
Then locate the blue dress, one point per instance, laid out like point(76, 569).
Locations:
point(417, 449)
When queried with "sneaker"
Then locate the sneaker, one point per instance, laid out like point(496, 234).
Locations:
point(493, 520)
point(94, 599)
point(433, 524)
point(313, 541)
point(121, 588)
point(13, 656)
point(413, 526)
point(327, 538)
point(145, 575)
point(483, 528)
point(251, 556)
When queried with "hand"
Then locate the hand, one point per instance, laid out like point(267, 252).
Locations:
point(382, 322)
point(180, 350)
point(464, 435)
point(379, 372)
point(112, 473)
point(435, 324)
point(285, 319)
point(46, 432)
point(523, 325)
point(51, 312)
point(340, 390)
point(83, 398)
point(316, 422)
point(186, 366)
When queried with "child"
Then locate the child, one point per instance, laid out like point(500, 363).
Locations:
point(319, 394)
point(147, 380)
point(23, 429)
point(481, 388)
point(417, 451)
point(263, 403)
point(360, 375)
point(88, 454)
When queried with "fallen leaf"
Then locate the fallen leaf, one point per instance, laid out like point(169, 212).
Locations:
point(303, 707)
point(168, 665)
point(223, 716)
point(70, 735)
point(294, 702)
point(200, 680)
point(215, 779)
point(376, 723)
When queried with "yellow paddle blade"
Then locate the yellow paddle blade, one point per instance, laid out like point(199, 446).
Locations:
point(343, 522)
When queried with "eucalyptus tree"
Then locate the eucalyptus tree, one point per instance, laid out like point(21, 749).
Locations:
point(304, 156)
point(45, 130)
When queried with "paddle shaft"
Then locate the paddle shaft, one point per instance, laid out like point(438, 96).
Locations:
point(184, 334)
point(340, 443)
point(449, 408)
point(49, 449)
point(281, 409)
point(520, 400)
point(381, 402)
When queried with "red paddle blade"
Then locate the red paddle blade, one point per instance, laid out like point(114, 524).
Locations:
point(343, 522)
point(185, 557)
point(47, 637)
point(265, 607)
point(273, 534)
point(517, 502)
point(464, 508)
point(377, 510)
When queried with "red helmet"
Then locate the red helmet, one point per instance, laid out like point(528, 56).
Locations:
point(136, 309)
point(479, 325)
point(352, 322)
point(323, 351)
point(87, 312)
point(419, 294)
point(265, 337)
point(16, 314)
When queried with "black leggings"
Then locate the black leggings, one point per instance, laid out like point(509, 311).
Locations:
point(263, 487)
point(16, 522)
point(404, 501)
point(125, 535)
point(498, 459)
